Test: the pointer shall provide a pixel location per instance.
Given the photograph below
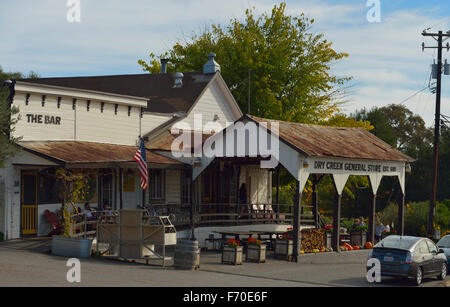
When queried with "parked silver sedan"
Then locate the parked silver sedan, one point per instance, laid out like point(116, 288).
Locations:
point(444, 244)
point(410, 257)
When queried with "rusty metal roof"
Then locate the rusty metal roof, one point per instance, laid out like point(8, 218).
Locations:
point(73, 152)
point(164, 140)
point(342, 142)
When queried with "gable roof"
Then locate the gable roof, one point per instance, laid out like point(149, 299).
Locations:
point(158, 88)
point(327, 141)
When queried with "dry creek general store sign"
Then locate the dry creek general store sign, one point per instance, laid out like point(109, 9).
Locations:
point(354, 166)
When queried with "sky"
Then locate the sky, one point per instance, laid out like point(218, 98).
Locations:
point(385, 59)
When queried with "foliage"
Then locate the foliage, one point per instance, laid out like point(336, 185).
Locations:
point(406, 131)
point(416, 217)
point(328, 228)
point(74, 186)
point(254, 241)
point(9, 116)
point(290, 65)
point(232, 243)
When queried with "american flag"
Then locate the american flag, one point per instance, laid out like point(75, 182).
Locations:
point(141, 159)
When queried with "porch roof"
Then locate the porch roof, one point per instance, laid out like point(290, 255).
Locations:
point(76, 152)
point(339, 142)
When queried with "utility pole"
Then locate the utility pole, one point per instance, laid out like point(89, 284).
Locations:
point(249, 80)
point(439, 37)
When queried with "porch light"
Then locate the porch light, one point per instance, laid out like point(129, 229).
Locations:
point(408, 168)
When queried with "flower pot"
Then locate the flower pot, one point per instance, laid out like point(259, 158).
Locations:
point(256, 253)
point(232, 254)
point(284, 249)
point(327, 237)
point(358, 238)
point(71, 247)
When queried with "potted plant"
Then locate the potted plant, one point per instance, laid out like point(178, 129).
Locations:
point(256, 251)
point(232, 252)
point(74, 185)
point(328, 233)
point(358, 236)
point(385, 233)
point(284, 245)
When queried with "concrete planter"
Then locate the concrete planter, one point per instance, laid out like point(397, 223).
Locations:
point(358, 238)
point(71, 247)
point(327, 239)
point(232, 255)
point(284, 249)
point(256, 253)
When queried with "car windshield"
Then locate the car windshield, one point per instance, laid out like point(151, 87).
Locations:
point(397, 242)
point(444, 242)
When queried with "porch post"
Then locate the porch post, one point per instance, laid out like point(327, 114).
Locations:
point(121, 187)
point(193, 201)
point(296, 220)
point(278, 191)
point(336, 221)
point(372, 218)
point(115, 189)
point(401, 217)
point(315, 201)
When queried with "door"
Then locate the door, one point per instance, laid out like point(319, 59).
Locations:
point(425, 259)
point(436, 262)
point(29, 204)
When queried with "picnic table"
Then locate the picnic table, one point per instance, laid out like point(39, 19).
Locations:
point(271, 233)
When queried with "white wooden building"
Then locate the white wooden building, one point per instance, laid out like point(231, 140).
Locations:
point(94, 124)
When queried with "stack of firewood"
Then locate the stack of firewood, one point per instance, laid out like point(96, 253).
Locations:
point(312, 239)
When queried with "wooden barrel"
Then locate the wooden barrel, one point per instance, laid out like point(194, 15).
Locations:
point(187, 255)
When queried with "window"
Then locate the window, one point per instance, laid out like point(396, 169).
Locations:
point(432, 247)
point(47, 187)
point(185, 187)
point(156, 184)
point(422, 248)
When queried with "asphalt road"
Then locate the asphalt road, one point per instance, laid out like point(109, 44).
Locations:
point(28, 264)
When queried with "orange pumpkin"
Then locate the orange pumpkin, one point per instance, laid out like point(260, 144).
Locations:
point(368, 245)
point(322, 250)
point(355, 247)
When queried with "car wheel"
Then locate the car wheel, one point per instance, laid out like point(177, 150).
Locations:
point(443, 273)
point(418, 277)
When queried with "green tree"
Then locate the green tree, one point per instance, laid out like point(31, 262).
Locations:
point(405, 131)
point(290, 66)
point(8, 117)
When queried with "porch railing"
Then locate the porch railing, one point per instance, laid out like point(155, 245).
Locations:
point(232, 214)
point(83, 226)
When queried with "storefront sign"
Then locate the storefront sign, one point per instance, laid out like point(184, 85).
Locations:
point(354, 166)
point(43, 119)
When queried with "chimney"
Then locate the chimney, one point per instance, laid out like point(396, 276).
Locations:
point(178, 77)
point(164, 66)
point(211, 67)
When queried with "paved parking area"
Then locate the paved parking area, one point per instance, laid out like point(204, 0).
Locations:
point(29, 263)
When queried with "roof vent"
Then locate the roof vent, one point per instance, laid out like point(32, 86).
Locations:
point(211, 67)
point(178, 77)
point(164, 66)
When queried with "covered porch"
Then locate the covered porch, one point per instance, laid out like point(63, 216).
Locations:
point(307, 152)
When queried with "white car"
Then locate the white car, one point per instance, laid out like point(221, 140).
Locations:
point(444, 244)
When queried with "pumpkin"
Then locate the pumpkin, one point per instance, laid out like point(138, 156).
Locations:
point(322, 250)
point(302, 252)
point(355, 247)
point(368, 245)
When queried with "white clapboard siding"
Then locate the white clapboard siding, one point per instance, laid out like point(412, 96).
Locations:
point(151, 121)
point(107, 127)
point(211, 103)
point(173, 182)
point(41, 132)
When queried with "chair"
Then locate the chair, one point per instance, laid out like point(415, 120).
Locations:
point(53, 220)
point(211, 241)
